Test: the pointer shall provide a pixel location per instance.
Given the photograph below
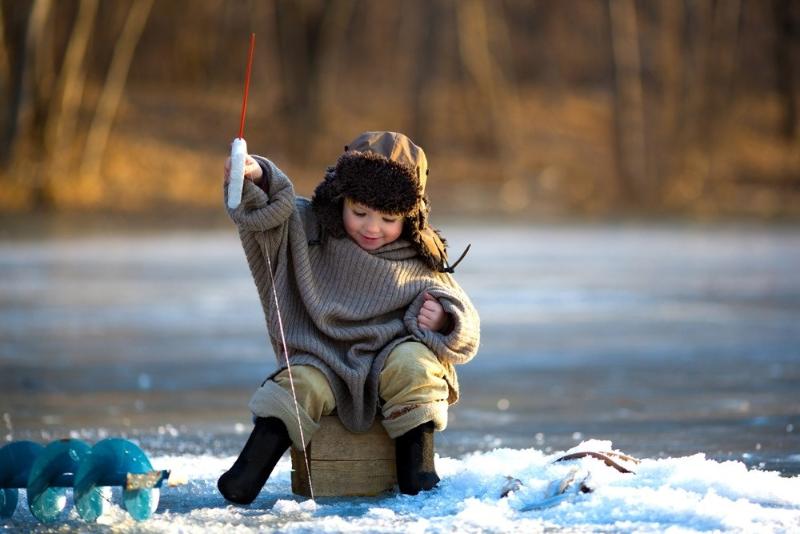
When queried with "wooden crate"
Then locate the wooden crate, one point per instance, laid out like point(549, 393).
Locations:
point(345, 464)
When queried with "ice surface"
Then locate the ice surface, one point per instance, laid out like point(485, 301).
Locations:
point(687, 494)
point(667, 340)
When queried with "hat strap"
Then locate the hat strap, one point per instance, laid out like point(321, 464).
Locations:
point(447, 268)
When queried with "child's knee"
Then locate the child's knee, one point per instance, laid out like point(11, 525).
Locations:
point(413, 361)
point(311, 389)
point(412, 374)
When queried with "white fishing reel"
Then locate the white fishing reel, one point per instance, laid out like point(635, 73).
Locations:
point(238, 156)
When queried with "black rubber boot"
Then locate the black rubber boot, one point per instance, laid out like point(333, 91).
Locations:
point(265, 446)
point(414, 460)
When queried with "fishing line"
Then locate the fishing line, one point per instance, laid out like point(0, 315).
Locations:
point(235, 185)
point(289, 370)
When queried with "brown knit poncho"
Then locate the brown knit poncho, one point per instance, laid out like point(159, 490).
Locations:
point(344, 308)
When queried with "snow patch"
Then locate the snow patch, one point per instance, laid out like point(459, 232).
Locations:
point(689, 494)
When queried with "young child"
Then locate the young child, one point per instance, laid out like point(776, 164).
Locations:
point(372, 318)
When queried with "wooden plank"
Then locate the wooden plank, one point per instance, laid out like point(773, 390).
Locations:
point(299, 474)
point(345, 464)
point(342, 478)
point(334, 442)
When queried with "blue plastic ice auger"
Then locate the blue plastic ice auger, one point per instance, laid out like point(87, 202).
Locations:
point(16, 460)
point(47, 472)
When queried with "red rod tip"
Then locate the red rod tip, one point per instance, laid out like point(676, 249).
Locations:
point(247, 83)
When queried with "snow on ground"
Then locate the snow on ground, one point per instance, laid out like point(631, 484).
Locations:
point(688, 494)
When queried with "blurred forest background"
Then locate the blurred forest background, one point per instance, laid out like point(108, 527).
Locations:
point(538, 108)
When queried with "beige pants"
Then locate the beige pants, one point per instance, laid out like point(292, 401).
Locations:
point(412, 386)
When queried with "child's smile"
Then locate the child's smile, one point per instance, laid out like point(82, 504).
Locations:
point(369, 228)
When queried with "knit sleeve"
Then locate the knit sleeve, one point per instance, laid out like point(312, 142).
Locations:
point(262, 210)
point(460, 344)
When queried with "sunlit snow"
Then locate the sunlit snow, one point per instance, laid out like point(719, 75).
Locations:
point(689, 494)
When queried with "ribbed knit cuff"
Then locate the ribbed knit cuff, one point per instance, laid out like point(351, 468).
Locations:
point(421, 414)
point(460, 344)
point(271, 400)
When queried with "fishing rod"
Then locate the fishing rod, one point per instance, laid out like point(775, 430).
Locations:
point(238, 155)
point(239, 145)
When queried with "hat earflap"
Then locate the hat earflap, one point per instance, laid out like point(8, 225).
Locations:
point(428, 242)
point(327, 203)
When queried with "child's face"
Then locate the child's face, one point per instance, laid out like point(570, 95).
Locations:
point(370, 228)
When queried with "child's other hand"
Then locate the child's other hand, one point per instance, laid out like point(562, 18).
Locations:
point(431, 316)
point(252, 170)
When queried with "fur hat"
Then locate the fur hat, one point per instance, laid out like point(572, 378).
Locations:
point(387, 172)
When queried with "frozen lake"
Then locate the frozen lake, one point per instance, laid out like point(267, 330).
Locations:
point(668, 340)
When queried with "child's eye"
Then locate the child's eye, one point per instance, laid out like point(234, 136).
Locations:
point(389, 219)
point(359, 213)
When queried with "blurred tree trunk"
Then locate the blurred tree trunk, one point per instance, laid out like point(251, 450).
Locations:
point(64, 107)
point(308, 34)
point(711, 59)
point(665, 149)
point(693, 121)
point(428, 39)
point(5, 82)
point(476, 57)
point(786, 14)
point(31, 112)
point(557, 25)
point(721, 69)
point(23, 26)
point(332, 41)
point(629, 135)
point(113, 88)
point(477, 23)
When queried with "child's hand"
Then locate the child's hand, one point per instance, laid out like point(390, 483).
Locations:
point(252, 170)
point(431, 316)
